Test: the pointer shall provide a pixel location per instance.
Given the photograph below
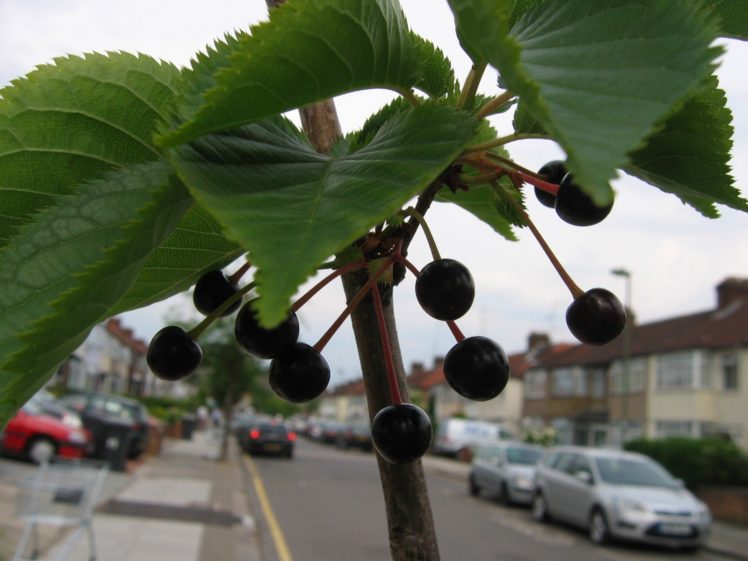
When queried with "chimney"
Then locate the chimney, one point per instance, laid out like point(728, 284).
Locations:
point(731, 290)
point(537, 341)
point(416, 367)
point(438, 362)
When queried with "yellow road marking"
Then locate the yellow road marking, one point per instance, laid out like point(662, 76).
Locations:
point(281, 547)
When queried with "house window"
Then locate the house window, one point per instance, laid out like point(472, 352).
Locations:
point(636, 378)
point(729, 372)
point(535, 381)
point(676, 428)
point(562, 382)
point(597, 382)
point(675, 371)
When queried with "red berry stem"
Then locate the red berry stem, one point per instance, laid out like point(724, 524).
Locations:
point(385, 341)
point(546, 186)
point(237, 276)
point(196, 331)
point(459, 335)
point(413, 269)
point(576, 292)
point(325, 281)
point(352, 304)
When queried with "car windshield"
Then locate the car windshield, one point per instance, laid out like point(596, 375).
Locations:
point(273, 430)
point(524, 456)
point(627, 471)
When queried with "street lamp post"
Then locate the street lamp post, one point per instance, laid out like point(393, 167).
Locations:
point(626, 352)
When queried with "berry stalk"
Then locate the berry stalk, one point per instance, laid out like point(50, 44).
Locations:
point(412, 212)
point(325, 281)
point(576, 292)
point(319, 345)
point(196, 331)
point(493, 104)
point(237, 276)
point(385, 340)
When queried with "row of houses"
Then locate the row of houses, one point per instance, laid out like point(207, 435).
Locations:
point(686, 375)
point(112, 360)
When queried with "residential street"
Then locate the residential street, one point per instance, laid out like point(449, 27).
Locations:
point(329, 507)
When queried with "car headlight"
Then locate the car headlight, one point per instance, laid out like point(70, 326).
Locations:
point(77, 437)
point(522, 482)
point(703, 512)
point(71, 421)
point(630, 506)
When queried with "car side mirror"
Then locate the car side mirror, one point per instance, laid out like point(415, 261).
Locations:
point(584, 476)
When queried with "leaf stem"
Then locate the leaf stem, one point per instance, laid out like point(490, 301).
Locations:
point(470, 88)
point(426, 231)
point(489, 107)
point(409, 96)
point(576, 292)
point(505, 140)
point(386, 349)
point(196, 331)
point(325, 281)
point(319, 345)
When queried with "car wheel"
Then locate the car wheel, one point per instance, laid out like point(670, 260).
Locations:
point(598, 530)
point(505, 497)
point(40, 449)
point(473, 488)
point(539, 508)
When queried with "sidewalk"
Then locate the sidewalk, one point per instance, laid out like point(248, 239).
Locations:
point(726, 539)
point(180, 506)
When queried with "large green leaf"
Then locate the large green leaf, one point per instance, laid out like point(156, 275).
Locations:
point(733, 17)
point(292, 208)
point(70, 122)
point(437, 78)
point(596, 75)
point(306, 52)
point(689, 155)
point(71, 263)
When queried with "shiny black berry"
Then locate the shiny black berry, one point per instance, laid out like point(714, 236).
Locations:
point(554, 172)
point(597, 317)
point(445, 289)
point(173, 354)
point(576, 207)
point(477, 368)
point(401, 433)
point(299, 373)
point(261, 342)
point(213, 289)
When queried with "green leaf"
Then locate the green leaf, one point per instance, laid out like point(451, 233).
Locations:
point(596, 75)
point(733, 17)
point(689, 155)
point(361, 138)
point(306, 52)
point(480, 201)
point(437, 76)
point(524, 122)
point(73, 121)
point(71, 263)
point(292, 208)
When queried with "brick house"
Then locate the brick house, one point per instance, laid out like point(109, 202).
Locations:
point(686, 375)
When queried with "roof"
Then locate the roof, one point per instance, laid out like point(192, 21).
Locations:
point(126, 336)
point(722, 328)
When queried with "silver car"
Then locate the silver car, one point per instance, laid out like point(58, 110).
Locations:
point(615, 494)
point(505, 469)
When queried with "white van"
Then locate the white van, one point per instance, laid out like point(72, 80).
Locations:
point(454, 435)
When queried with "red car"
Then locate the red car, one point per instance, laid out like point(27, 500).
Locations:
point(34, 435)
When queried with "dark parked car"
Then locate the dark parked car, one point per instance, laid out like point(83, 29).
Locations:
point(98, 410)
point(268, 438)
point(355, 435)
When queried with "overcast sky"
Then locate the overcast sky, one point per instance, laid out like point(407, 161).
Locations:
point(675, 256)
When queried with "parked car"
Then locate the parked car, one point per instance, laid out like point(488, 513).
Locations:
point(456, 436)
point(355, 435)
point(616, 494)
point(269, 438)
point(97, 410)
point(36, 436)
point(326, 431)
point(505, 469)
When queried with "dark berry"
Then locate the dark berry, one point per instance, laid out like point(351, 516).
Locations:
point(262, 342)
point(597, 317)
point(445, 289)
point(173, 354)
point(554, 172)
point(477, 368)
point(401, 433)
point(213, 289)
point(299, 373)
point(576, 207)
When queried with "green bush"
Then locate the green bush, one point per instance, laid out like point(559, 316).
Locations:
point(697, 461)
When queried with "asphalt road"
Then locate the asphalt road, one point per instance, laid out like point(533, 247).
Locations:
point(327, 505)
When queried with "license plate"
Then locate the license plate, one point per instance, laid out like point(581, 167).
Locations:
point(273, 447)
point(675, 529)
